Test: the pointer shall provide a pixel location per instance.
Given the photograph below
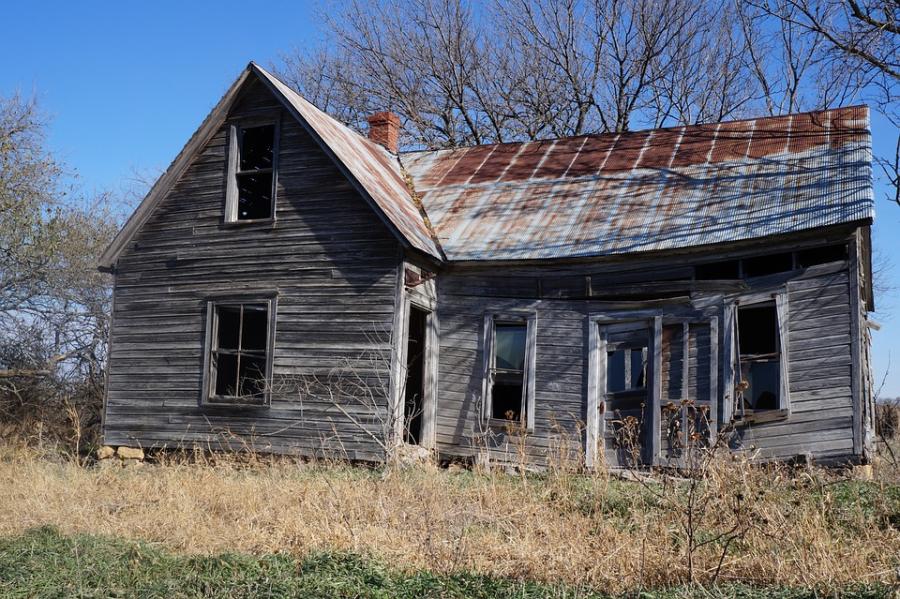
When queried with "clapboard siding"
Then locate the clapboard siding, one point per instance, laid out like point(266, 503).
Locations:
point(820, 367)
point(334, 266)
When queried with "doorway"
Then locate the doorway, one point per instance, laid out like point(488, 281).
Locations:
point(414, 393)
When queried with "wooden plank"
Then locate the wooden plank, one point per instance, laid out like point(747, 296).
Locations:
point(855, 352)
point(655, 392)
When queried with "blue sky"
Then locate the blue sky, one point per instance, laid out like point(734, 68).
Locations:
point(126, 83)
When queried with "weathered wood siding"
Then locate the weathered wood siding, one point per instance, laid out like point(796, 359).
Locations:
point(820, 423)
point(334, 266)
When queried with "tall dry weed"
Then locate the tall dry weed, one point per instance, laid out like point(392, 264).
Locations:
point(802, 528)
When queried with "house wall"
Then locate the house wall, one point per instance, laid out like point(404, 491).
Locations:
point(820, 332)
point(334, 267)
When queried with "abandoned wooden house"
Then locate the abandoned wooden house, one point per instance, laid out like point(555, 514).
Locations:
point(306, 289)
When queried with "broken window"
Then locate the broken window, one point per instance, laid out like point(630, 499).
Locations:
point(251, 186)
point(759, 349)
point(239, 348)
point(760, 266)
point(510, 370)
point(626, 369)
point(822, 255)
point(729, 269)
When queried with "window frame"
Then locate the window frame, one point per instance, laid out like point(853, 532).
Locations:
point(732, 412)
point(208, 396)
point(489, 370)
point(236, 127)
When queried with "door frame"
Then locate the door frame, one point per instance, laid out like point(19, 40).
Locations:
point(595, 418)
point(430, 367)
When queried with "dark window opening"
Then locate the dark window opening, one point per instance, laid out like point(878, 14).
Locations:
point(626, 370)
point(255, 172)
point(508, 380)
point(239, 352)
point(760, 357)
point(822, 255)
point(761, 266)
point(718, 270)
point(415, 376)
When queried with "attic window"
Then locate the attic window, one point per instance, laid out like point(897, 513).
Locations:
point(252, 172)
point(239, 352)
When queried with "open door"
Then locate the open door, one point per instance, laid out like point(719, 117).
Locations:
point(416, 389)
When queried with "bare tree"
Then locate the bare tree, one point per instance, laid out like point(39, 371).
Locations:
point(461, 73)
point(857, 56)
point(53, 302)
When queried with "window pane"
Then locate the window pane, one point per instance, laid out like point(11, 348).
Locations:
point(226, 374)
point(758, 330)
point(510, 346)
point(256, 323)
point(506, 399)
point(615, 371)
point(257, 147)
point(229, 325)
point(763, 391)
point(638, 368)
point(253, 376)
point(254, 196)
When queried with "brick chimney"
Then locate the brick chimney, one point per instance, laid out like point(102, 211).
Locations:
point(384, 129)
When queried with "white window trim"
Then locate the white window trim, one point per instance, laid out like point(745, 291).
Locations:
point(731, 350)
point(236, 126)
point(529, 319)
point(208, 396)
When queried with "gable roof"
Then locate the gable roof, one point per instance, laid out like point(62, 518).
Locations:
point(372, 169)
point(661, 189)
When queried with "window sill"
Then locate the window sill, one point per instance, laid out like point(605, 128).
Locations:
point(229, 403)
point(513, 426)
point(761, 417)
point(252, 221)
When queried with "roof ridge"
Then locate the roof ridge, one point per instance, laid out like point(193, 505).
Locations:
point(639, 131)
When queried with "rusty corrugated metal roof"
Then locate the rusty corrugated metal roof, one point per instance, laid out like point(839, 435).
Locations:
point(648, 190)
point(376, 169)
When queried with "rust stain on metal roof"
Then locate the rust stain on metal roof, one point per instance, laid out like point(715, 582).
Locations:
point(648, 190)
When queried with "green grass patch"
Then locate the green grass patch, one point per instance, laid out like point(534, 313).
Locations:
point(45, 563)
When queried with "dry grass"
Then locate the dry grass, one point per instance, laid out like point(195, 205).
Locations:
point(798, 529)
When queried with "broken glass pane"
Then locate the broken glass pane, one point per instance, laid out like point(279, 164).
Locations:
point(763, 379)
point(257, 147)
point(226, 374)
point(758, 330)
point(615, 371)
point(255, 327)
point(254, 196)
point(506, 399)
point(229, 326)
point(252, 376)
point(626, 370)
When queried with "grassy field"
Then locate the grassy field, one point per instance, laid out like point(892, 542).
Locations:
point(44, 563)
point(267, 527)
